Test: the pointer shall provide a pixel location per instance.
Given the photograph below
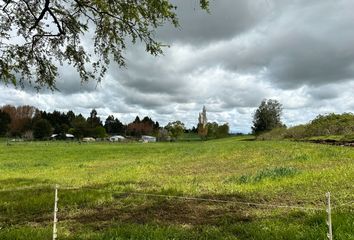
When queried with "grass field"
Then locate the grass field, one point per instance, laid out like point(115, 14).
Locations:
point(233, 169)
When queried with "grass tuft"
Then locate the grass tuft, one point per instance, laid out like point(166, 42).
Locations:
point(268, 173)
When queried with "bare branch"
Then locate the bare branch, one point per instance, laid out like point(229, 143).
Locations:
point(60, 29)
point(41, 16)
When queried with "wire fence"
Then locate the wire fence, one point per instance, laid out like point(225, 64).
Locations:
point(216, 200)
point(324, 208)
point(306, 206)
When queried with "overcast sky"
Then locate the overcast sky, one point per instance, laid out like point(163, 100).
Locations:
point(299, 52)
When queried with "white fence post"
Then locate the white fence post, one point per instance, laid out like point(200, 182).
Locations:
point(55, 220)
point(329, 220)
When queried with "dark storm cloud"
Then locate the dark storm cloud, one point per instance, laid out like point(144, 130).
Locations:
point(326, 92)
point(69, 82)
point(307, 43)
point(152, 85)
point(298, 52)
point(291, 44)
point(227, 18)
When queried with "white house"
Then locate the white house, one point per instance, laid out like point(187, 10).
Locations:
point(148, 138)
point(117, 138)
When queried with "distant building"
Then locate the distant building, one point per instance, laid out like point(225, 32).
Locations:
point(117, 138)
point(59, 136)
point(148, 138)
point(88, 139)
point(69, 136)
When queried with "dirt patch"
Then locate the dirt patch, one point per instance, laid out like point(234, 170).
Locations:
point(332, 142)
point(169, 211)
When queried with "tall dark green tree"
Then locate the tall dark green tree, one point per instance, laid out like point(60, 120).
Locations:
point(50, 33)
point(114, 126)
point(71, 116)
point(80, 127)
point(267, 116)
point(42, 129)
point(93, 120)
point(5, 120)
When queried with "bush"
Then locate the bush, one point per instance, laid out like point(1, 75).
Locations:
point(275, 134)
point(323, 125)
point(331, 124)
point(214, 130)
point(296, 132)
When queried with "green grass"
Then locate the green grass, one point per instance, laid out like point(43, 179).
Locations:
point(233, 169)
point(274, 173)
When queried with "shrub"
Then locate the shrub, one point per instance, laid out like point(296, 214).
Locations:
point(275, 134)
point(331, 124)
point(322, 125)
point(296, 132)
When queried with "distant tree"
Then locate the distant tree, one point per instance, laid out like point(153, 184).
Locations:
point(267, 116)
point(202, 124)
point(147, 126)
point(5, 121)
point(137, 119)
point(114, 126)
point(212, 129)
point(99, 132)
point(142, 127)
point(156, 125)
point(71, 116)
point(42, 129)
point(80, 127)
point(163, 135)
point(93, 120)
point(21, 118)
point(223, 131)
point(176, 129)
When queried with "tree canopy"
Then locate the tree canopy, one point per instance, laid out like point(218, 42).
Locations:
point(176, 129)
point(267, 116)
point(5, 120)
point(38, 36)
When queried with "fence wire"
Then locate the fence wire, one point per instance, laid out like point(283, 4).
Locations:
point(188, 198)
point(250, 204)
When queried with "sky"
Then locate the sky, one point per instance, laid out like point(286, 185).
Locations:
point(299, 52)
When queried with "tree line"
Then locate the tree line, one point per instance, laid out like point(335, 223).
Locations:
point(29, 122)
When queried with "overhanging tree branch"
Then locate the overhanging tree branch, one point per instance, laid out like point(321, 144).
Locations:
point(33, 58)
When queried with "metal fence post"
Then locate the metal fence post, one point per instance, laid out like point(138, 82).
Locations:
point(329, 220)
point(55, 220)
